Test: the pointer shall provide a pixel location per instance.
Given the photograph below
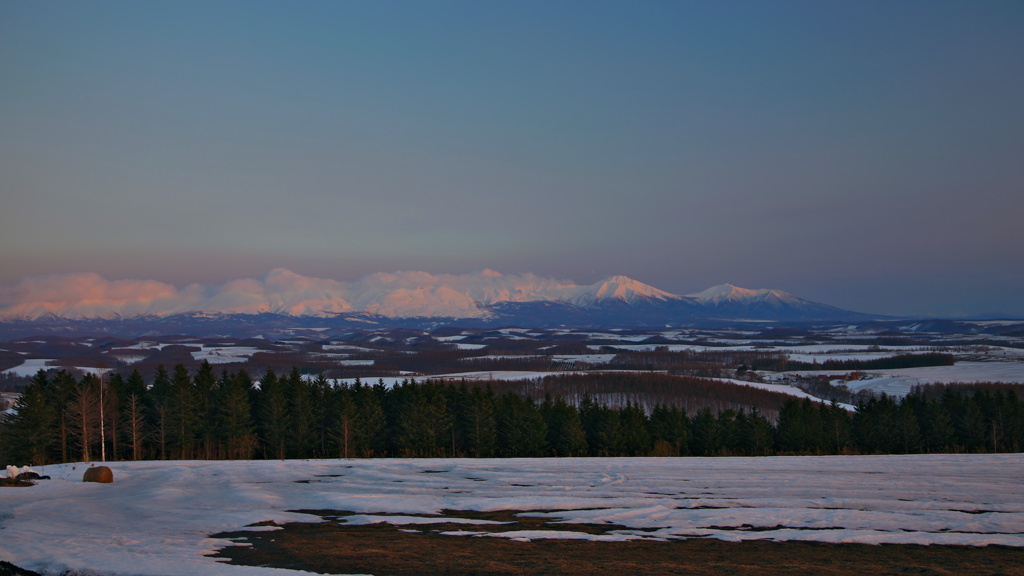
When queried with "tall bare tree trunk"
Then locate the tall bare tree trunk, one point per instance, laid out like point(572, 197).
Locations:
point(136, 422)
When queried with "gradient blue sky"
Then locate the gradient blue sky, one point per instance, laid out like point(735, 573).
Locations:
point(865, 154)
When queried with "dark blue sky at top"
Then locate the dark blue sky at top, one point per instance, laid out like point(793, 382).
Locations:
point(865, 154)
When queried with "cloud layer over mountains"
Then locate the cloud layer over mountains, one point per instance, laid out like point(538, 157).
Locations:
point(399, 294)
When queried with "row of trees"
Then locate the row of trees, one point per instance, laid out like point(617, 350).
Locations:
point(886, 363)
point(181, 415)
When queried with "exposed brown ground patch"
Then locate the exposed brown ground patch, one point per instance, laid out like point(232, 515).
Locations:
point(383, 549)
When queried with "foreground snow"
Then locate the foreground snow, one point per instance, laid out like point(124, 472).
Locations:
point(156, 518)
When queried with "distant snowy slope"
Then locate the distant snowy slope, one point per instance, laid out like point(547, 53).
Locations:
point(420, 294)
point(482, 295)
point(727, 293)
point(619, 288)
point(732, 300)
point(399, 294)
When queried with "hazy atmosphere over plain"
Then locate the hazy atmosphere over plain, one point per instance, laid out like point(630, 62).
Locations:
point(865, 154)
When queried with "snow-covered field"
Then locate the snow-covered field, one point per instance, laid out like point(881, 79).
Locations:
point(224, 354)
point(900, 381)
point(781, 389)
point(29, 367)
point(156, 518)
point(390, 381)
point(797, 352)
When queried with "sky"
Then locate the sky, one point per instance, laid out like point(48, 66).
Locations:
point(866, 154)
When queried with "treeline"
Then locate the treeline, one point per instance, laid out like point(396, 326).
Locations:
point(181, 415)
point(708, 363)
point(956, 420)
point(647, 390)
point(701, 363)
point(715, 363)
point(888, 363)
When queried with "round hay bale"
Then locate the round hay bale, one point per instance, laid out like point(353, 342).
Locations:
point(100, 474)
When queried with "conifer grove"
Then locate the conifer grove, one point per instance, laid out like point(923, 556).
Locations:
point(205, 415)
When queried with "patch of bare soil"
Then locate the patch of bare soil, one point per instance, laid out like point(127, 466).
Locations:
point(417, 550)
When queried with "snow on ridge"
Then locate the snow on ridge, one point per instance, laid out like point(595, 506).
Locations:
point(729, 293)
point(715, 292)
point(403, 294)
point(620, 288)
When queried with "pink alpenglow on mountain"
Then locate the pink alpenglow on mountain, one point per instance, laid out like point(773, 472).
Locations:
point(390, 295)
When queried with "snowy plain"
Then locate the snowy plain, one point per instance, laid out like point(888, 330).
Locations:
point(900, 381)
point(30, 366)
point(157, 518)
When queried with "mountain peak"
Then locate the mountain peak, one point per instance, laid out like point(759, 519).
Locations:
point(620, 288)
point(482, 295)
point(730, 293)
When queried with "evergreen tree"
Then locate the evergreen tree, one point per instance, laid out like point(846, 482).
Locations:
point(633, 423)
point(29, 432)
point(835, 428)
point(182, 415)
point(346, 429)
point(322, 396)
point(997, 412)
point(442, 418)
point(705, 436)
point(876, 425)
point(969, 422)
point(272, 408)
point(423, 422)
point(521, 428)
point(480, 428)
point(670, 431)
point(730, 426)
point(761, 434)
point(1014, 425)
point(235, 427)
point(456, 403)
point(204, 385)
point(134, 384)
point(301, 437)
point(566, 436)
point(603, 428)
point(736, 432)
point(910, 440)
point(373, 431)
point(937, 427)
point(800, 429)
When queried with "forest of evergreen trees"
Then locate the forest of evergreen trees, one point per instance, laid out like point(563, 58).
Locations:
point(203, 415)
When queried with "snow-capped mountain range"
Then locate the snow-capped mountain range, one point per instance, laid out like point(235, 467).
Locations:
point(483, 297)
